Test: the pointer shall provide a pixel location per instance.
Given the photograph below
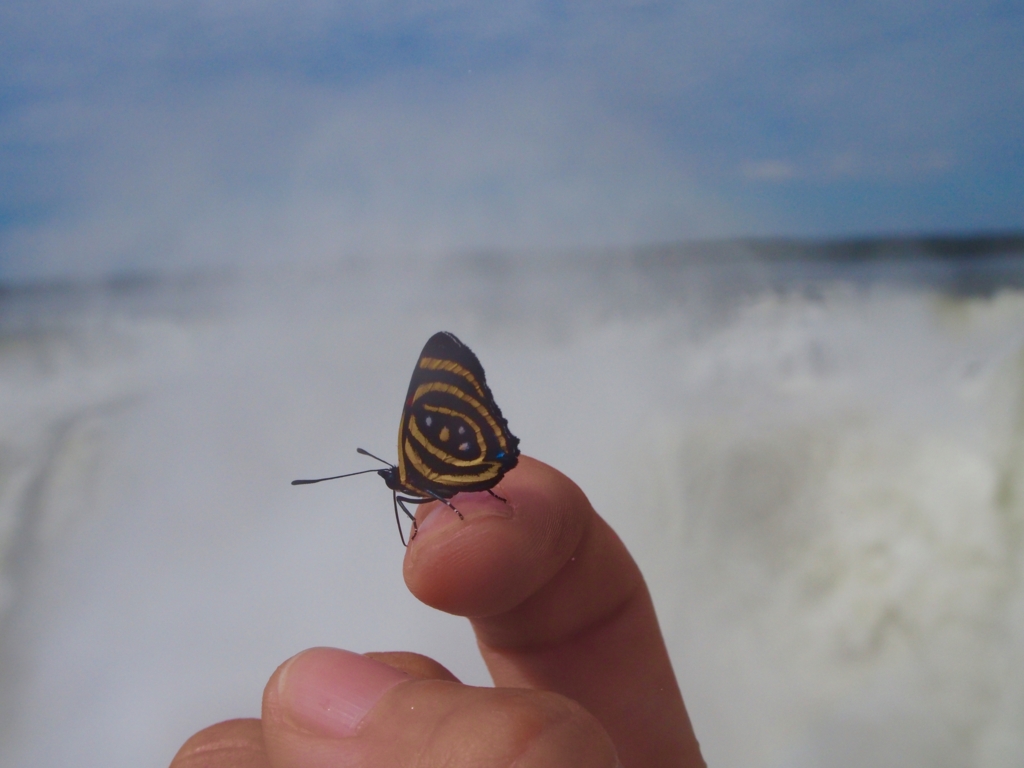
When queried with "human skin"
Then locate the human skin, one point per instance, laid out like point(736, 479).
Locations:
point(562, 618)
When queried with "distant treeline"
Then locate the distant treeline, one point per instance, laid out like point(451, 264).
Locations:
point(844, 249)
point(967, 264)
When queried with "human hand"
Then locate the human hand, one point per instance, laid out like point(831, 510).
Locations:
point(563, 620)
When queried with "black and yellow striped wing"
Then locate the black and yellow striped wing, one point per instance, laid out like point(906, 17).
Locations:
point(452, 437)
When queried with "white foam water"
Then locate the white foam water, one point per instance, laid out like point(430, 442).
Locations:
point(823, 487)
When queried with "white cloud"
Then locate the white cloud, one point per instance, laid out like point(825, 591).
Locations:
point(274, 171)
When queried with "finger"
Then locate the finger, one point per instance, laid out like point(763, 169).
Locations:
point(231, 744)
point(327, 708)
point(557, 604)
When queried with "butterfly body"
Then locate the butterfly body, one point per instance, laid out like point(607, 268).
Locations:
point(452, 437)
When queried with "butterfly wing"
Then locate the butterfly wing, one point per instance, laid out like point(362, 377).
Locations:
point(452, 437)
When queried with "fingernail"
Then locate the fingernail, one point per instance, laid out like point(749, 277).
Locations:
point(469, 504)
point(327, 691)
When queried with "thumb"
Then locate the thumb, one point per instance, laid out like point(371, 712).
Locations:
point(327, 708)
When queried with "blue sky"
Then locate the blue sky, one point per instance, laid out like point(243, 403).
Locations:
point(170, 135)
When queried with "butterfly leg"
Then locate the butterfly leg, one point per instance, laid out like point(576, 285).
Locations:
point(401, 501)
point(499, 498)
point(398, 520)
point(435, 497)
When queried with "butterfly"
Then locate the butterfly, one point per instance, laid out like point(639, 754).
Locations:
point(452, 437)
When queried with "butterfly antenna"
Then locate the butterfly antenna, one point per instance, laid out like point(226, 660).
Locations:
point(378, 458)
point(336, 477)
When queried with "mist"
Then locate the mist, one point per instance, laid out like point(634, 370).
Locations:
point(819, 478)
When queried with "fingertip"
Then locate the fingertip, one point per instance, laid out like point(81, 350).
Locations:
point(509, 544)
